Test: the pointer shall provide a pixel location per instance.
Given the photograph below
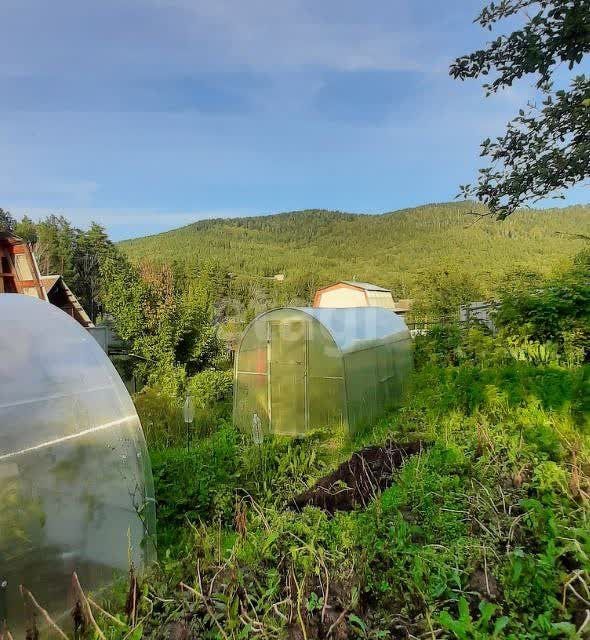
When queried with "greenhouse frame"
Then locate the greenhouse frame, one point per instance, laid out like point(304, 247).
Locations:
point(298, 369)
point(76, 489)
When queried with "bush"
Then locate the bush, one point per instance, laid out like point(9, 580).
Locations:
point(558, 311)
point(210, 387)
point(439, 346)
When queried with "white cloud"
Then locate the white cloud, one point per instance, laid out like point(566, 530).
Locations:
point(269, 35)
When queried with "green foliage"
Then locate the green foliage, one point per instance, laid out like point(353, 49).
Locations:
point(161, 418)
point(439, 346)
point(485, 533)
point(557, 311)
point(546, 324)
point(7, 221)
point(27, 230)
point(315, 248)
point(166, 322)
point(466, 628)
point(210, 387)
point(56, 248)
point(543, 150)
point(212, 392)
point(62, 249)
point(477, 537)
point(195, 484)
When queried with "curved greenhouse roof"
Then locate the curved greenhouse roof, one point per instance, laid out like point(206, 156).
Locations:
point(302, 368)
point(75, 479)
point(357, 327)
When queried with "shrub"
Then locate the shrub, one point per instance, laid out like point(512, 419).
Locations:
point(439, 346)
point(557, 311)
point(210, 387)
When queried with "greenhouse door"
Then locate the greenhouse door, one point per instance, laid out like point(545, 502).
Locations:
point(287, 344)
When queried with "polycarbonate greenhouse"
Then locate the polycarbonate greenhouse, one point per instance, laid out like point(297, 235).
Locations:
point(299, 369)
point(76, 490)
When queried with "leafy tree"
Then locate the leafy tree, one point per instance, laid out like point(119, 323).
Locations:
point(7, 222)
point(56, 248)
point(556, 311)
point(168, 326)
point(92, 248)
point(545, 149)
point(406, 251)
point(449, 290)
point(27, 230)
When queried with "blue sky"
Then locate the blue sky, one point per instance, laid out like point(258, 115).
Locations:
point(148, 114)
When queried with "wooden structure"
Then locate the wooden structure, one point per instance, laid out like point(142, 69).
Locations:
point(60, 295)
point(19, 272)
point(348, 293)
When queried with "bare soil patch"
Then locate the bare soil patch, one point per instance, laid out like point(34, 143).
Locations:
point(359, 479)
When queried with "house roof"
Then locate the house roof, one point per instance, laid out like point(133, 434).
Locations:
point(50, 282)
point(366, 286)
point(9, 237)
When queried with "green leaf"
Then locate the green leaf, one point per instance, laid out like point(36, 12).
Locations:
point(500, 624)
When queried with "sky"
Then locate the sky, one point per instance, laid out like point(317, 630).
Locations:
point(146, 115)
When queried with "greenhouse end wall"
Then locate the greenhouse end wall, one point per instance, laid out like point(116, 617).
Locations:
point(76, 491)
point(299, 369)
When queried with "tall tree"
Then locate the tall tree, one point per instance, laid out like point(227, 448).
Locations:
point(56, 248)
point(166, 320)
point(92, 247)
point(546, 148)
point(26, 229)
point(7, 222)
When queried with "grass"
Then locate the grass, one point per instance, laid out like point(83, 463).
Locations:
point(485, 534)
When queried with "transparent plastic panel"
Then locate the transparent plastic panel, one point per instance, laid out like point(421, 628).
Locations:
point(288, 372)
point(326, 367)
point(327, 406)
point(361, 386)
point(357, 328)
point(251, 356)
point(325, 381)
point(251, 400)
point(76, 491)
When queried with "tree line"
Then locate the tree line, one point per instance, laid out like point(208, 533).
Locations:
point(163, 313)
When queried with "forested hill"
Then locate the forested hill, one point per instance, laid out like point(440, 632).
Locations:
point(407, 250)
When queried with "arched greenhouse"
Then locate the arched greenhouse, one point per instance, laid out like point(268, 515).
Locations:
point(76, 490)
point(299, 369)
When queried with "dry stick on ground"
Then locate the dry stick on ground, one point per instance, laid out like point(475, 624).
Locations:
point(336, 623)
point(299, 598)
point(207, 606)
point(78, 588)
point(326, 591)
point(106, 614)
point(5, 633)
point(568, 585)
point(9, 635)
point(25, 592)
point(585, 623)
point(275, 608)
point(132, 597)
